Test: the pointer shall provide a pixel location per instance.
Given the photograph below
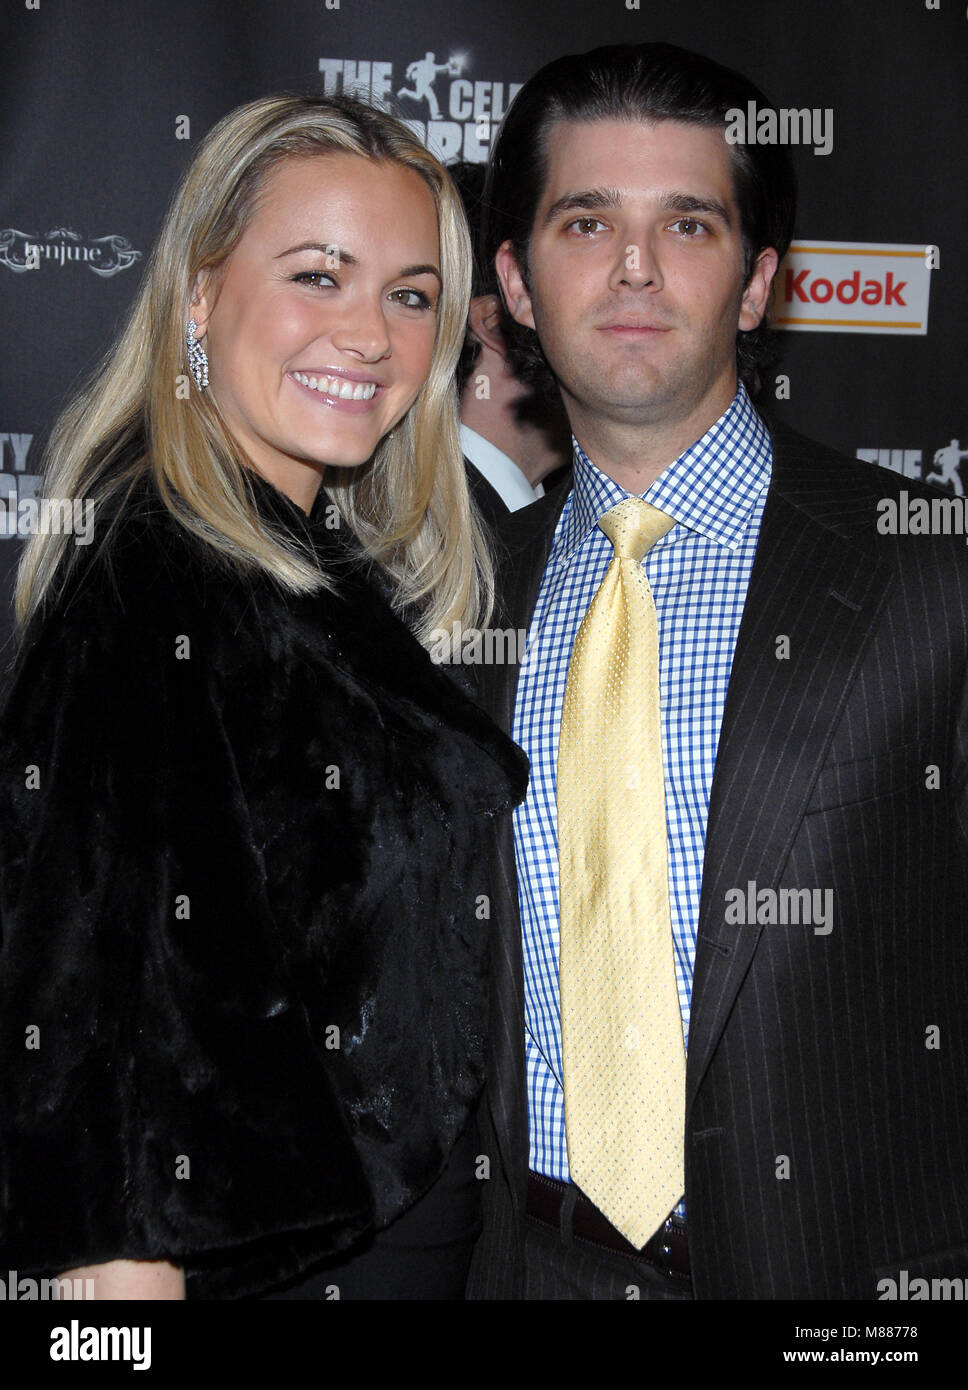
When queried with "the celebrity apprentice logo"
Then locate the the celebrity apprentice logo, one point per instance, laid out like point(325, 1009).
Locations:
point(454, 116)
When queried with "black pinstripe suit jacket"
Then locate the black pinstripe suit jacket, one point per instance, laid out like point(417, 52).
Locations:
point(827, 1075)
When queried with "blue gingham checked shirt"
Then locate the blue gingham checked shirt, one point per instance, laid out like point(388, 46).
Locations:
point(699, 573)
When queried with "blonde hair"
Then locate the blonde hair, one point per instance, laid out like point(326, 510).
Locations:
point(409, 506)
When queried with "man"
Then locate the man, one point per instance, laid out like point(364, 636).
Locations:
point(512, 437)
point(748, 751)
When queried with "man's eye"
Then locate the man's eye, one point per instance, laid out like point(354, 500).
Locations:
point(689, 227)
point(586, 226)
point(313, 277)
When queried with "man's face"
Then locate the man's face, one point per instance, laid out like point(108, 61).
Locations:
point(636, 272)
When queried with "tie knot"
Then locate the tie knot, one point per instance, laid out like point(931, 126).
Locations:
point(634, 526)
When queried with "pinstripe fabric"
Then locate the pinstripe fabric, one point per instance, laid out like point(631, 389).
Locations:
point(559, 1269)
point(827, 1076)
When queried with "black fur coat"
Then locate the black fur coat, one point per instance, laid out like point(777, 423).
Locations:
point(243, 909)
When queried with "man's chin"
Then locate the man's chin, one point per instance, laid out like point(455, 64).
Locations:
point(635, 406)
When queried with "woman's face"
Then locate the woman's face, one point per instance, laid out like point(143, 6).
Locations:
point(320, 326)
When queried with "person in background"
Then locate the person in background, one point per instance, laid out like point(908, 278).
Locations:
point(513, 437)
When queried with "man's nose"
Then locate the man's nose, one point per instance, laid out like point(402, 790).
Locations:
point(637, 267)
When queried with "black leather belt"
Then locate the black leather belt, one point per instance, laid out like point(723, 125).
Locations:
point(666, 1250)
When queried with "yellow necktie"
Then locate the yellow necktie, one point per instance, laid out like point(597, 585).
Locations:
point(622, 1047)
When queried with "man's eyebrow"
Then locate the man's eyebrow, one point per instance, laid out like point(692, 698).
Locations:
point(691, 202)
point(584, 198)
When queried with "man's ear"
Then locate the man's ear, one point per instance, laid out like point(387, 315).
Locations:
point(484, 321)
point(757, 293)
point(203, 297)
point(513, 288)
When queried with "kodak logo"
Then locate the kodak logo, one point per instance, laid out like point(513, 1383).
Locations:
point(804, 287)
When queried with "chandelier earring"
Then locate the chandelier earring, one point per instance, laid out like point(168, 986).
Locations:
point(197, 356)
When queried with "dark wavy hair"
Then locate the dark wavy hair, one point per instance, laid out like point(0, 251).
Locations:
point(631, 82)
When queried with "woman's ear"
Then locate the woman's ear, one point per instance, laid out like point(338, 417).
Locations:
point(203, 297)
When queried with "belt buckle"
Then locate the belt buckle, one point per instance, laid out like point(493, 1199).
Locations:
point(658, 1251)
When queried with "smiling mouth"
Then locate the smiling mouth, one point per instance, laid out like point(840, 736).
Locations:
point(334, 386)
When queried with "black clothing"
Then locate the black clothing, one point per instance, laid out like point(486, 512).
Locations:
point(243, 900)
point(488, 500)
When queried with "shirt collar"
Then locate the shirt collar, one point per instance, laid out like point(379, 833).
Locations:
point(712, 488)
point(499, 469)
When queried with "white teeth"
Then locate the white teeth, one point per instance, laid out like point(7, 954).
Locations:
point(335, 386)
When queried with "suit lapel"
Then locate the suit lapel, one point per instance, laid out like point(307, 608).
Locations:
point(819, 585)
point(522, 548)
point(815, 592)
point(522, 552)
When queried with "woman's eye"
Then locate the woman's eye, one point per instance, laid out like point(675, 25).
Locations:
point(411, 299)
point(313, 277)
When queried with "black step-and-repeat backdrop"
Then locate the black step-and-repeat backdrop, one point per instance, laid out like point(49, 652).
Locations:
point(103, 104)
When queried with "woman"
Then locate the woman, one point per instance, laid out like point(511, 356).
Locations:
point(242, 896)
